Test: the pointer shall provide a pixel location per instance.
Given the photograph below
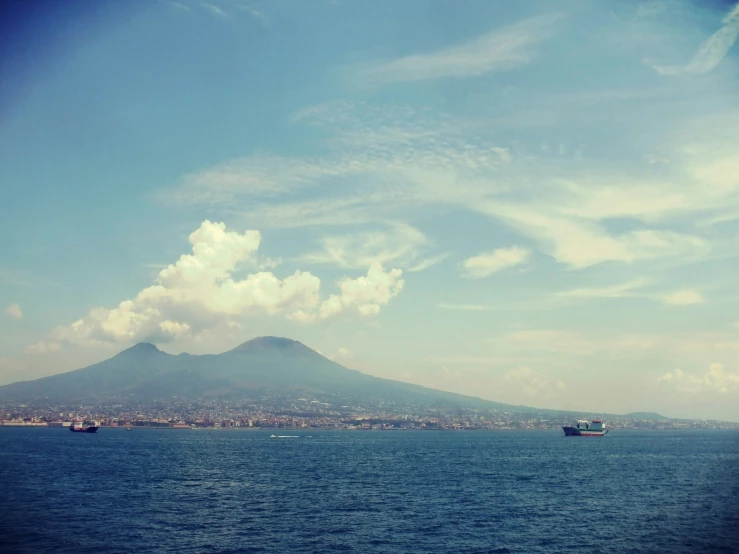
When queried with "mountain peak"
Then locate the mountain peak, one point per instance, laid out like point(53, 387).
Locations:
point(268, 343)
point(142, 347)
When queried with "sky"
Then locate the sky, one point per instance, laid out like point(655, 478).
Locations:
point(530, 202)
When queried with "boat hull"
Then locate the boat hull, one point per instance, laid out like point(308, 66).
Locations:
point(91, 429)
point(575, 432)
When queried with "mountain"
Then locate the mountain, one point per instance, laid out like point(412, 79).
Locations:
point(651, 416)
point(260, 367)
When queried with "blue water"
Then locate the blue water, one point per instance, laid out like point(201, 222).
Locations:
point(241, 491)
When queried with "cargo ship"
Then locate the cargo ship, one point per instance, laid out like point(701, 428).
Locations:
point(584, 429)
point(78, 427)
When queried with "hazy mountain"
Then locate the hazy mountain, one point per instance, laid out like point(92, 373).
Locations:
point(645, 415)
point(262, 366)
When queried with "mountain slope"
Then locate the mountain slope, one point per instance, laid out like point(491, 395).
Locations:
point(262, 366)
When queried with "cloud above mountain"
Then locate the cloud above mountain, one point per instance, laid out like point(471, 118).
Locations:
point(213, 284)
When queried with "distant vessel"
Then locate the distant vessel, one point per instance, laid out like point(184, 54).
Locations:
point(77, 427)
point(584, 429)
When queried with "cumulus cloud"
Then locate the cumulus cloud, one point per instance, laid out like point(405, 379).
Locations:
point(364, 295)
point(174, 328)
point(533, 383)
point(715, 379)
point(683, 298)
point(42, 347)
point(14, 311)
point(488, 263)
point(711, 52)
point(341, 355)
point(203, 289)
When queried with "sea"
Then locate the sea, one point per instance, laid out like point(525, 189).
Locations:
point(231, 491)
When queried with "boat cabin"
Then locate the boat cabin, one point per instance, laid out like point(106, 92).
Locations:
point(595, 425)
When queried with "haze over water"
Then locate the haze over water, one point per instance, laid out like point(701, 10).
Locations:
point(242, 491)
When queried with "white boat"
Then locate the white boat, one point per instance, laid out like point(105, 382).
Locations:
point(582, 428)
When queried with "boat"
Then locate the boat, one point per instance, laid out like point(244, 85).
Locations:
point(582, 428)
point(78, 427)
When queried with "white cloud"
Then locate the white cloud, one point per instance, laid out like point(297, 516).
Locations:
point(488, 263)
point(577, 240)
point(623, 290)
point(180, 6)
point(42, 347)
point(175, 328)
point(711, 52)
point(462, 307)
point(634, 289)
point(428, 262)
point(715, 379)
point(341, 355)
point(683, 298)
point(215, 10)
point(533, 383)
point(403, 163)
point(14, 311)
point(202, 290)
point(500, 50)
point(364, 295)
point(543, 343)
point(256, 14)
point(400, 244)
point(261, 175)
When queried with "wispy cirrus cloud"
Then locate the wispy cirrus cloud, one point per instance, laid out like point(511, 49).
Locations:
point(256, 14)
point(499, 50)
point(428, 262)
point(180, 6)
point(399, 244)
point(635, 288)
point(710, 53)
point(623, 290)
point(392, 163)
point(462, 307)
point(215, 10)
point(488, 263)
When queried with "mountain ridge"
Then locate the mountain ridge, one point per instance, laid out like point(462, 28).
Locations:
point(265, 365)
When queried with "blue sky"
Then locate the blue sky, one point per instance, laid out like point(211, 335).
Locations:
point(530, 202)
